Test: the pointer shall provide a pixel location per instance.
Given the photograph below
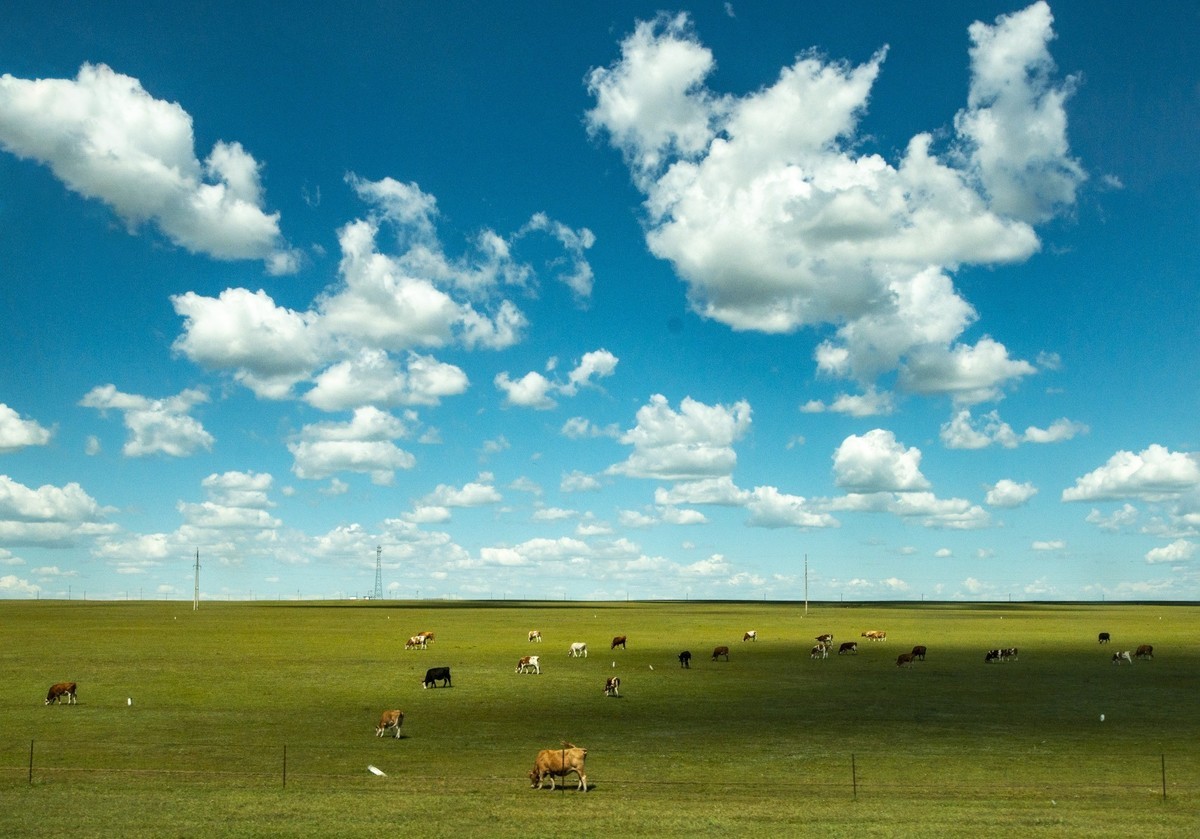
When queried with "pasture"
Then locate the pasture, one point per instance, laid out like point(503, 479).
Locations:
point(247, 719)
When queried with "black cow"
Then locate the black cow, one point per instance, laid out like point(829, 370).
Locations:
point(919, 651)
point(685, 659)
point(1105, 637)
point(433, 674)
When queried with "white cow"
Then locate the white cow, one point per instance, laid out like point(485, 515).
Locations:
point(417, 642)
point(751, 635)
point(1122, 658)
point(529, 663)
point(535, 635)
point(578, 650)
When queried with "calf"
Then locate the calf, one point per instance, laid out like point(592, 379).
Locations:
point(720, 651)
point(1144, 651)
point(685, 659)
point(848, 647)
point(819, 651)
point(919, 652)
point(529, 664)
point(535, 635)
point(58, 691)
point(436, 674)
point(904, 660)
point(612, 686)
point(1121, 658)
point(1105, 638)
point(551, 763)
point(578, 650)
point(618, 641)
point(392, 720)
point(751, 635)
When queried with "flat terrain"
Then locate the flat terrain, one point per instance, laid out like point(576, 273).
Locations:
point(258, 718)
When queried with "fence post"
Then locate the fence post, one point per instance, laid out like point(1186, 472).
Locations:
point(285, 765)
point(30, 763)
point(1164, 775)
point(854, 775)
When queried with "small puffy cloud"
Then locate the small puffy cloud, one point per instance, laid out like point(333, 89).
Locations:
point(105, 137)
point(579, 428)
point(47, 515)
point(970, 374)
point(693, 443)
point(577, 481)
point(965, 432)
point(768, 507)
point(575, 242)
point(1117, 520)
point(534, 390)
point(364, 444)
point(1181, 550)
point(1152, 474)
point(17, 433)
point(719, 491)
point(373, 378)
point(1007, 493)
point(475, 493)
point(876, 462)
point(1052, 545)
point(11, 585)
point(1059, 431)
point(156, 426)
point(871, 403)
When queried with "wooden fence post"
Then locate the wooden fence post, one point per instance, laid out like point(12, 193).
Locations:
point(854, 776)
point(30, 763)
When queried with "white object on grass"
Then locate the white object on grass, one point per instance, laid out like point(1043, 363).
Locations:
point(375, 770)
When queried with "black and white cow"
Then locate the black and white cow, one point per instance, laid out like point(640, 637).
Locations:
point(685, 659)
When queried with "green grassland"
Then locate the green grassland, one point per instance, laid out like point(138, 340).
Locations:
point(257, 719)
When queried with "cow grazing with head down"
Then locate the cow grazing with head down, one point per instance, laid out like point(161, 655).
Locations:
point(720, 651)
point(848, 647)
point(1144, 651)
point(1104, 638)
point(612, 686)
point(57, 691)
point(751, 635)
point(578, 650)
point(390, 720)
point(535, 635)
point(435, 674)
point(529, 664)
point(552, 763)
point(819, 651)
point(904, 660)
point(417, 642)
point(875, 635)
point(826, 638)
point(685, 659)
point(1122, 658)
point(618, 641)
point(919, 652)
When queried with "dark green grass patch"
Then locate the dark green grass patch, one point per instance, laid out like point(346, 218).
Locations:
point(258, 719)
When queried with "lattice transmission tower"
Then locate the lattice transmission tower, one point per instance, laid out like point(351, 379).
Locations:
point(379, 573)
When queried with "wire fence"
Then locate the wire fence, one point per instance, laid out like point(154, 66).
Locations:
point(874, 775)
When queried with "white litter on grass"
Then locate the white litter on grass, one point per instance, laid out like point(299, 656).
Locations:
point(375, 770)
point(651, 666)
point(1102, 718)
point(129, 700)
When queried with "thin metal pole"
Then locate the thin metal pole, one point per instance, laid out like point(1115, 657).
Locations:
point(30, 763)
point(285, 764)
point(1164, 776)
point(854, 776)
point(806, 584)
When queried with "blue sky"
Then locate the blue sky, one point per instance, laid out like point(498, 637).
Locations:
point(609, 300)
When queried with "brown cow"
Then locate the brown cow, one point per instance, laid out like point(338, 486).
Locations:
point(528, 663)
point(58, 691)
point(618, 641)
point(1144, 651)
point(561, 763)
point(875, 635)
point(390, 719)
point(826, 638)
point(719, 651)
point(919, 651)
point(904, 660)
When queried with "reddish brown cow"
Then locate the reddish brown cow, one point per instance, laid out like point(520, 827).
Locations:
point(390, 719)
point(551, 763)
point(720, 651)
point(904, 660)
point(919, 652)
point(1144, 651)
point(618, 641)
point(58, 691)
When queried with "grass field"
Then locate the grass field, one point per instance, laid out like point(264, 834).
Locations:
point(257, 719)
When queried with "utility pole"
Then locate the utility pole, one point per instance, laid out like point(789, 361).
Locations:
point(806, 584)
point(196, 593)
point(379, 572)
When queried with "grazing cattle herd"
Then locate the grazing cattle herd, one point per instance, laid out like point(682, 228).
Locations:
point(569, 759)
